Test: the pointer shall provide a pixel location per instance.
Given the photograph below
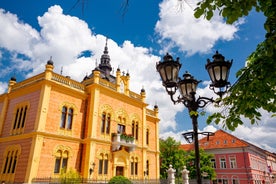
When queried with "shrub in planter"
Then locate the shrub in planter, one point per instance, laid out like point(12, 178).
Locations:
point(119, 180)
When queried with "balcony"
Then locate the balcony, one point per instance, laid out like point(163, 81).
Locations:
point(120, 140)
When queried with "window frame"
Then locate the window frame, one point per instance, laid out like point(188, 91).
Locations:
point(67, 117)
point(233, 162)
point(105, 123)
point(103, 164)
point(222, 163)
point(61, 161)
point(19, 118)
point(10, 161)
point(214, 164)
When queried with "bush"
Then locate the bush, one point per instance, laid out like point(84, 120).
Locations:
point(69, 177)
point(119, 180)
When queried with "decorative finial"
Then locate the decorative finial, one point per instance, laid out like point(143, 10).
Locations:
point(50, 61)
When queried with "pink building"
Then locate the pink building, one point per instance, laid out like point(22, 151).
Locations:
point(237, 161)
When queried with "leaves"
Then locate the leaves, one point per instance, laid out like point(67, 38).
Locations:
point(205, 164)
point(256, 85)
point(171, 153)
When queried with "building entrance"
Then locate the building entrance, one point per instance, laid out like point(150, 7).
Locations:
point(119, 171)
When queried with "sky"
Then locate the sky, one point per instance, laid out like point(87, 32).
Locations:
point(73, 33)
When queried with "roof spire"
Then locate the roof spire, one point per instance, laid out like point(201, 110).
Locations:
point(105, 61)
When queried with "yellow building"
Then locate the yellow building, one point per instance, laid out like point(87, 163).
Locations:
point(98, 127)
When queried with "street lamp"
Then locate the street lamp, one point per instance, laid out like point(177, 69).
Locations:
point(92, 167)
point(218, 71)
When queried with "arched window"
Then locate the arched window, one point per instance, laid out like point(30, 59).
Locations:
point(224, 180)
point(147, 136)
point(135, 129)
point(70, 119)
point(10, 161)
point(66, 119)
point(20, 118)
point(235, 180)
point(147, 168)
point(121, 128)
point(103, 123)
point(103, 164)
point(105, 126)
point(63, 117)
point(134, 166)
point(61, 161)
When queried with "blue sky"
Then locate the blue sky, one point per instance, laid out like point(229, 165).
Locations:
point(33, 31)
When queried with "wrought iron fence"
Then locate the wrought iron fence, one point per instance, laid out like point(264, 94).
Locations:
point(49, 180)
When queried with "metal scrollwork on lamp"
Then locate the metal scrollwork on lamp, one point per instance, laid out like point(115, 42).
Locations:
point(218, 70)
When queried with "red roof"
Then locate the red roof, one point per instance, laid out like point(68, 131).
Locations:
point(220, 140)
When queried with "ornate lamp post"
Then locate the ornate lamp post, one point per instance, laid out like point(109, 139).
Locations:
point(92, 167)
point(218, 71)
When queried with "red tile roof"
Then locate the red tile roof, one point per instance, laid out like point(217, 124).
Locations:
point(220, 140)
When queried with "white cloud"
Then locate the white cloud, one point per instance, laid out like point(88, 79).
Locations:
point(190, 35)
point(16, 35)
point(64, 37)
point(3, 87)
point(262, 135)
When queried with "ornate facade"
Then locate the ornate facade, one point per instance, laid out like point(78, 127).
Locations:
point(98, 127)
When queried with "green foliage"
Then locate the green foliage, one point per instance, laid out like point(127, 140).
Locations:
point(119, 180)
point(170, 153)
point(70, 176)
point(205, 164)
point(193, 113)
point(256, 85)
point(127, 137)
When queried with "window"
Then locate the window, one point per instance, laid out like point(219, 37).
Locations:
point(103, 164)
point(222, 163)
point(10, 163)
point(224, 181)
point(10, 160)
point(121, 129)
point(61, 161)
point(233, 163)
point(134, 129)
point(235, 180)
point(66, 118)
point(147, 136)
point(105, 126)
point(134, 166)
point(213, 161)
point(20, 118)
point(147, 167)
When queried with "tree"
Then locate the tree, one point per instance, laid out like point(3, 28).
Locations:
point(255, 88)
point(205, 164)
point(170, 153)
